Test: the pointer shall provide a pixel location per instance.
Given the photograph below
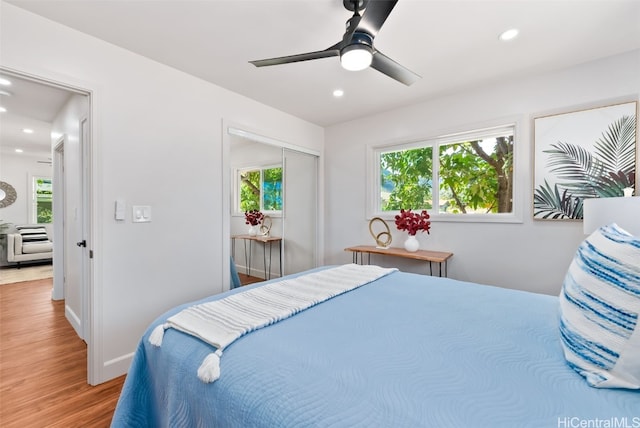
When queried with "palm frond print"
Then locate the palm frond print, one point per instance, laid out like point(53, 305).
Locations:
point(582, 174)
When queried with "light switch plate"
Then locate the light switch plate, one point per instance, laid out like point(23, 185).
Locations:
point(119, 211)
point(141, 213)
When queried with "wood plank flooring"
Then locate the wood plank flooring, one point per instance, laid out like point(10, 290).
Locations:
point(43, 365)
point(246, 279)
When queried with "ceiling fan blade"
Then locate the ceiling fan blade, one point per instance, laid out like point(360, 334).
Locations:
point(329, 52)
point(387, 66)
point(374, 15)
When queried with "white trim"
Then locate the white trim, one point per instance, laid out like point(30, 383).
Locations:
point(73, 319)
point(225, 215)
point(268, 140)
point(57, 292)
point(95, 372)
point(116, 366)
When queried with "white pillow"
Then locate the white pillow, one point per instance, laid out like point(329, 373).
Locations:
point(599, 309)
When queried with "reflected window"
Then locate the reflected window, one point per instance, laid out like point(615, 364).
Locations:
point(260, 189)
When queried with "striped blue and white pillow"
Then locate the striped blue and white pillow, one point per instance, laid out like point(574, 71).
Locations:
point(599, 308)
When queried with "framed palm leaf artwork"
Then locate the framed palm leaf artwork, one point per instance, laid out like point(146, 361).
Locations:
point(583, 154)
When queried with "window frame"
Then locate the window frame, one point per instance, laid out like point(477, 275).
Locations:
point(476, 133)
point(237, 192)
point(34, 197)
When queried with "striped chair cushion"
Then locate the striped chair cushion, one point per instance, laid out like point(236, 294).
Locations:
point(33, 233)
point(599, 307)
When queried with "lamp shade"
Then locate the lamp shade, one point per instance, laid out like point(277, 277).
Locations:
point(625, 212)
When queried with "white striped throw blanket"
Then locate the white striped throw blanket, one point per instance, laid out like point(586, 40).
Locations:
point(221, 322)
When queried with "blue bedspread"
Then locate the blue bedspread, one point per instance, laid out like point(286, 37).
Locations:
point(404, 351)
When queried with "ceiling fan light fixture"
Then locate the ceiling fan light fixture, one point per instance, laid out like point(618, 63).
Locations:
point(356, 57)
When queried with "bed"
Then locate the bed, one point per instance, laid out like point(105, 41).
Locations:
point(405, 350)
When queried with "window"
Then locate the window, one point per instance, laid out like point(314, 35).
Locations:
point(42, 200)
point(469, 174)
point(260, 189)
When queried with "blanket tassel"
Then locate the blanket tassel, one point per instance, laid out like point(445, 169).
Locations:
point(209, 370)
point(156, 336)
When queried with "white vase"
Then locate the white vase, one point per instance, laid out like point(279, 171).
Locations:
point(411, 244)
point(253, 230)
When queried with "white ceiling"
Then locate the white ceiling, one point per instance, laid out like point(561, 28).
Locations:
point(29, 105)
point(452, 44)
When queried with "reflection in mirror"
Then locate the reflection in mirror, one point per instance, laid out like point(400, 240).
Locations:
point(268, 176)
point(265, 227)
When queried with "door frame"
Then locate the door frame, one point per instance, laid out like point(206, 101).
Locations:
point(90, 215)
point(59, 204)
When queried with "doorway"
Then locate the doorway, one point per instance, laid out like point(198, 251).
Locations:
point(66, 110)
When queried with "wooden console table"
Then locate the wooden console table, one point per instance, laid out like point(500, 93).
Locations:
point(438, 257)
point(266, 241)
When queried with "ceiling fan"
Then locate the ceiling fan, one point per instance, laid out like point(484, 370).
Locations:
point(356, 50)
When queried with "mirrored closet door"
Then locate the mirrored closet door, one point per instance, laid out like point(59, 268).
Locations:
point(281, 183)
point(300, 210)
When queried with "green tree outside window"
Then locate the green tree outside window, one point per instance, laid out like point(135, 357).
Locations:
point(43, 195)
point(475, 175)
point(261, 189)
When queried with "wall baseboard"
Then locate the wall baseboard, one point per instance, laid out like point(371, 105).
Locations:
point(74, 320)
point(117, 367)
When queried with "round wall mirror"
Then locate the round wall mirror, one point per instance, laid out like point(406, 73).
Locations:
point(7, 194)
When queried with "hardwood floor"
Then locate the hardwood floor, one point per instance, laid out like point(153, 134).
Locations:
point(43, 365)
point(246, 279)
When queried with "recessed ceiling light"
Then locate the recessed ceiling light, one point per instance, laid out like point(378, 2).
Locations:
point(27, 131)
point(5, 82)
point(3, 110)
point(509, 34)
point(338, 93)
point(19, 150)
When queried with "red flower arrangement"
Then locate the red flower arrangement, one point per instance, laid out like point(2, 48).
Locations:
point(253, 217)
point(413, 222)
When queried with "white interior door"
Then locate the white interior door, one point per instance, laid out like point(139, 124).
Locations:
point(300, 223)
point(59, 205)
point(86, 253)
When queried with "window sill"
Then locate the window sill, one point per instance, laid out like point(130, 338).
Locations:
point(459, 218)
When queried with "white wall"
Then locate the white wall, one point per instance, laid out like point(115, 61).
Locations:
point(18, 169)
point(157, 138)
point(532, 255)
